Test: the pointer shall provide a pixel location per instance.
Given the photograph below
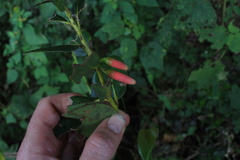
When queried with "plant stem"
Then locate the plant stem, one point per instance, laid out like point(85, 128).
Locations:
point(77, 28)
point(224, 11)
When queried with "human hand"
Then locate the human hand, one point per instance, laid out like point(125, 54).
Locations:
point(40, 142)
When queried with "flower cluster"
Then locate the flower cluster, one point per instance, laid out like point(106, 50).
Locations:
point(115, 74)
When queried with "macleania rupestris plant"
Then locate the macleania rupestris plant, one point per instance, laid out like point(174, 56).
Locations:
point(87, 112)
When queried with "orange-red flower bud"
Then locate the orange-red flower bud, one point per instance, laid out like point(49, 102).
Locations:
point(115, 63)
point(120, 77)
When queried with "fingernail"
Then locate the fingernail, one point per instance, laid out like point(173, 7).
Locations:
point(69, 101)
point(116, 123)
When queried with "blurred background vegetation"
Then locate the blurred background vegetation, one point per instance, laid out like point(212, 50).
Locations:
point(184, 55)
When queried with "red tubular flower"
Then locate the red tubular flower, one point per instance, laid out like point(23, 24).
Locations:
point(115, 63)
point(120, 77)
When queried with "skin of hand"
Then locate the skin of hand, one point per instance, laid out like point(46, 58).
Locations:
point(40, 143)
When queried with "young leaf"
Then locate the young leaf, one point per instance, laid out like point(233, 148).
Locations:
point(80, 70)
point(60, 4)
point(146, 141)
point(59, 48)
point(57, 18)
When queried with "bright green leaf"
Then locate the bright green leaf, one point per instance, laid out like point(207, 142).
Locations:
point(59, 48)
point(232, 28)
point(32, 37)
point(146, 141)
point(62, 77)
point(1, 157)
point(233, 42)
point(40, 72)
point(12, 76)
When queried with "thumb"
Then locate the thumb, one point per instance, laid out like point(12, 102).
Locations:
point(104, 141)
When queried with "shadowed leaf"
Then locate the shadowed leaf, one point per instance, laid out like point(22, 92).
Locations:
point(80, 70)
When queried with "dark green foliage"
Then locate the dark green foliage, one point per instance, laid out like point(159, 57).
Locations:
point(184, 55)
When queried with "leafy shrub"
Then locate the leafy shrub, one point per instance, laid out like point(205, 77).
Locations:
point(182, 53)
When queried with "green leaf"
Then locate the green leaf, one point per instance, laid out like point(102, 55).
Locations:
point(119, 88)
point(233, 42)
point(48, 1)
point(60, 4)
point(78, 6)
point(1, 157)
point(59, 48)
point(10, 118)
point(208, 75)
point(199, 14)
point(166, 101)
point(128, 48)
point(152, 56)
point(81, 99)
point(57, 18)
point(147, 3)
point(20, 106)
point(62, 77)
point(146, 141)
point(101, 92)
point(114, 29)
point(86, 36)
point(108, 13)
point(232, 28)
point(126, 7)
point(80, 70)
point(82, 88)
point(32, 37)
point(12, 76)
point(90, 113)
point(217, 36)
point(40, 72)
point(234, 98)
point(66, 125)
